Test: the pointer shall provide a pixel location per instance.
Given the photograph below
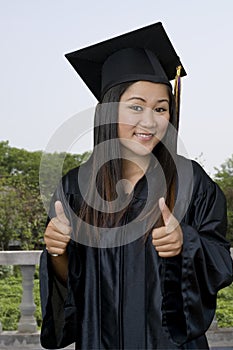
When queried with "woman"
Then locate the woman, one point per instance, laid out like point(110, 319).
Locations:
point(147, 252)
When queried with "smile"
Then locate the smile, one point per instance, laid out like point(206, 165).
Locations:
point(144, 137)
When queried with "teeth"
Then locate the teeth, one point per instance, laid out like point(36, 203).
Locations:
point(144, 135)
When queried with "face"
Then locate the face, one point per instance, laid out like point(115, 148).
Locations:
point(143, 117)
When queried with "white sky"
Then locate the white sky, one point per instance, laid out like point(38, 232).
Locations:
point(39, 90)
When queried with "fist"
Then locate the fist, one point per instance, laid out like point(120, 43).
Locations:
point(57, 234)
point(168, 239)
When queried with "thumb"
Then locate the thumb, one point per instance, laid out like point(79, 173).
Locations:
point(60, 213)
point(166, 214)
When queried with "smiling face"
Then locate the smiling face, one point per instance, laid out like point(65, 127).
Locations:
point(143, 117)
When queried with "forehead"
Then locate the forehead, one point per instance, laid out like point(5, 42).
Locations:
point(146, 90)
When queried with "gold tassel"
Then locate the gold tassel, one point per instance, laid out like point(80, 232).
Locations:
point(177, 92)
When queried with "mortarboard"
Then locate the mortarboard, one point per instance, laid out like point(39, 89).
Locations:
point(142, 54)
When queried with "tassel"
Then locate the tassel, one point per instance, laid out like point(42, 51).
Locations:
point(177, 92)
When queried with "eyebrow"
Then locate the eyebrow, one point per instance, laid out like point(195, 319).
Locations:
point(143, 100)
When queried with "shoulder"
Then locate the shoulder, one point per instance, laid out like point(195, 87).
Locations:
point(200, 181)
point(76, 178)
point(193, 169)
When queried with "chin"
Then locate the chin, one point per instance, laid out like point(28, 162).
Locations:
point(141, 151)
point(137, 148)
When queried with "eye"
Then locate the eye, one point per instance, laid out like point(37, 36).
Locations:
point(160, 109)
point(136, 108)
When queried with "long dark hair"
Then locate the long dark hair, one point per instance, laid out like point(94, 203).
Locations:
point(105, 175)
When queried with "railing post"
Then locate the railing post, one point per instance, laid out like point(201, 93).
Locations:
point(214, 324)
point(27, 322)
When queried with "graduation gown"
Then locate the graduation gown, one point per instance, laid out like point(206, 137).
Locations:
point(127, 297)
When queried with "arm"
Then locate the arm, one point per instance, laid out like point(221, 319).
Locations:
point(190, 281)
point(57, 236)
point(54, 289)
point(60, 267)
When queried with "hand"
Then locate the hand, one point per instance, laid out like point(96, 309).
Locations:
point(57, 234)
point(168, 239)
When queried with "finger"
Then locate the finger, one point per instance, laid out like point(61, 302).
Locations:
point(51, 244)
point(161, 242)
point(168, 247)
point(56, 242)
point(159, 233)
point(51, 234)
point(169, 254)
point(165, 241)
point(58, 226)
point(56, 251)
point(60, 213)
point(170, 221)
point(166, 214)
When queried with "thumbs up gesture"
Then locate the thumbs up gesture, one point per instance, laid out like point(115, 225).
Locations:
point(57, 234)
point(168, 239)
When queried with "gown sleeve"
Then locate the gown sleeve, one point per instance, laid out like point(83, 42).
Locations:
point(59, 312)
point(190, 281)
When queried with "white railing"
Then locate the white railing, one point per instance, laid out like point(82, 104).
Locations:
point(27, 260)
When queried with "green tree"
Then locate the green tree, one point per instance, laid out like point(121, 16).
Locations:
point(224, 177)
point(22, 213)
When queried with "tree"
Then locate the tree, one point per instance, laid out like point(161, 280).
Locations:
point(22, 214)
point(224, 177)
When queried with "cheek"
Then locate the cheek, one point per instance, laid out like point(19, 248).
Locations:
point(125, 123)
point(163, 125)
point(125, 117)
point(123, 129)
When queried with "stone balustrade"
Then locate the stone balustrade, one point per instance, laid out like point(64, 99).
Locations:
point(27, 328)
point(27, 260)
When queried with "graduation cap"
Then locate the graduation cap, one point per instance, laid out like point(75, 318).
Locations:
point(142, 54)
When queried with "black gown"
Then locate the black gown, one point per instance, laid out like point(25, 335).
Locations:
point(127, 297)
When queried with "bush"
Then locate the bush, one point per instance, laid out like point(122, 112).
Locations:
point(6, 270)
point(224, 312)
point(10, 299)
point(37, 302)
point(11, 294)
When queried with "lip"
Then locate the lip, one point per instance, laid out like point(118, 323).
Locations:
point(143, 136)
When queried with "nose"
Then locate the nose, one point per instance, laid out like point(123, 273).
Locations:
point(148, 119)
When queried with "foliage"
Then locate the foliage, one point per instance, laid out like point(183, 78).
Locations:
point(5, 271)
point(36, 293)
point(11, 293)
point(224, 312)
point(22, 218)
point(10, 299)
point(224, 177)
point(22, 214)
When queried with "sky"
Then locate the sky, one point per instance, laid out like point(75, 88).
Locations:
point(40, 91)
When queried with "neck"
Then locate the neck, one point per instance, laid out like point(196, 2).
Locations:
point(133, 168)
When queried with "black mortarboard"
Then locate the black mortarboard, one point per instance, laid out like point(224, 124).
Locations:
point(143, 54)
